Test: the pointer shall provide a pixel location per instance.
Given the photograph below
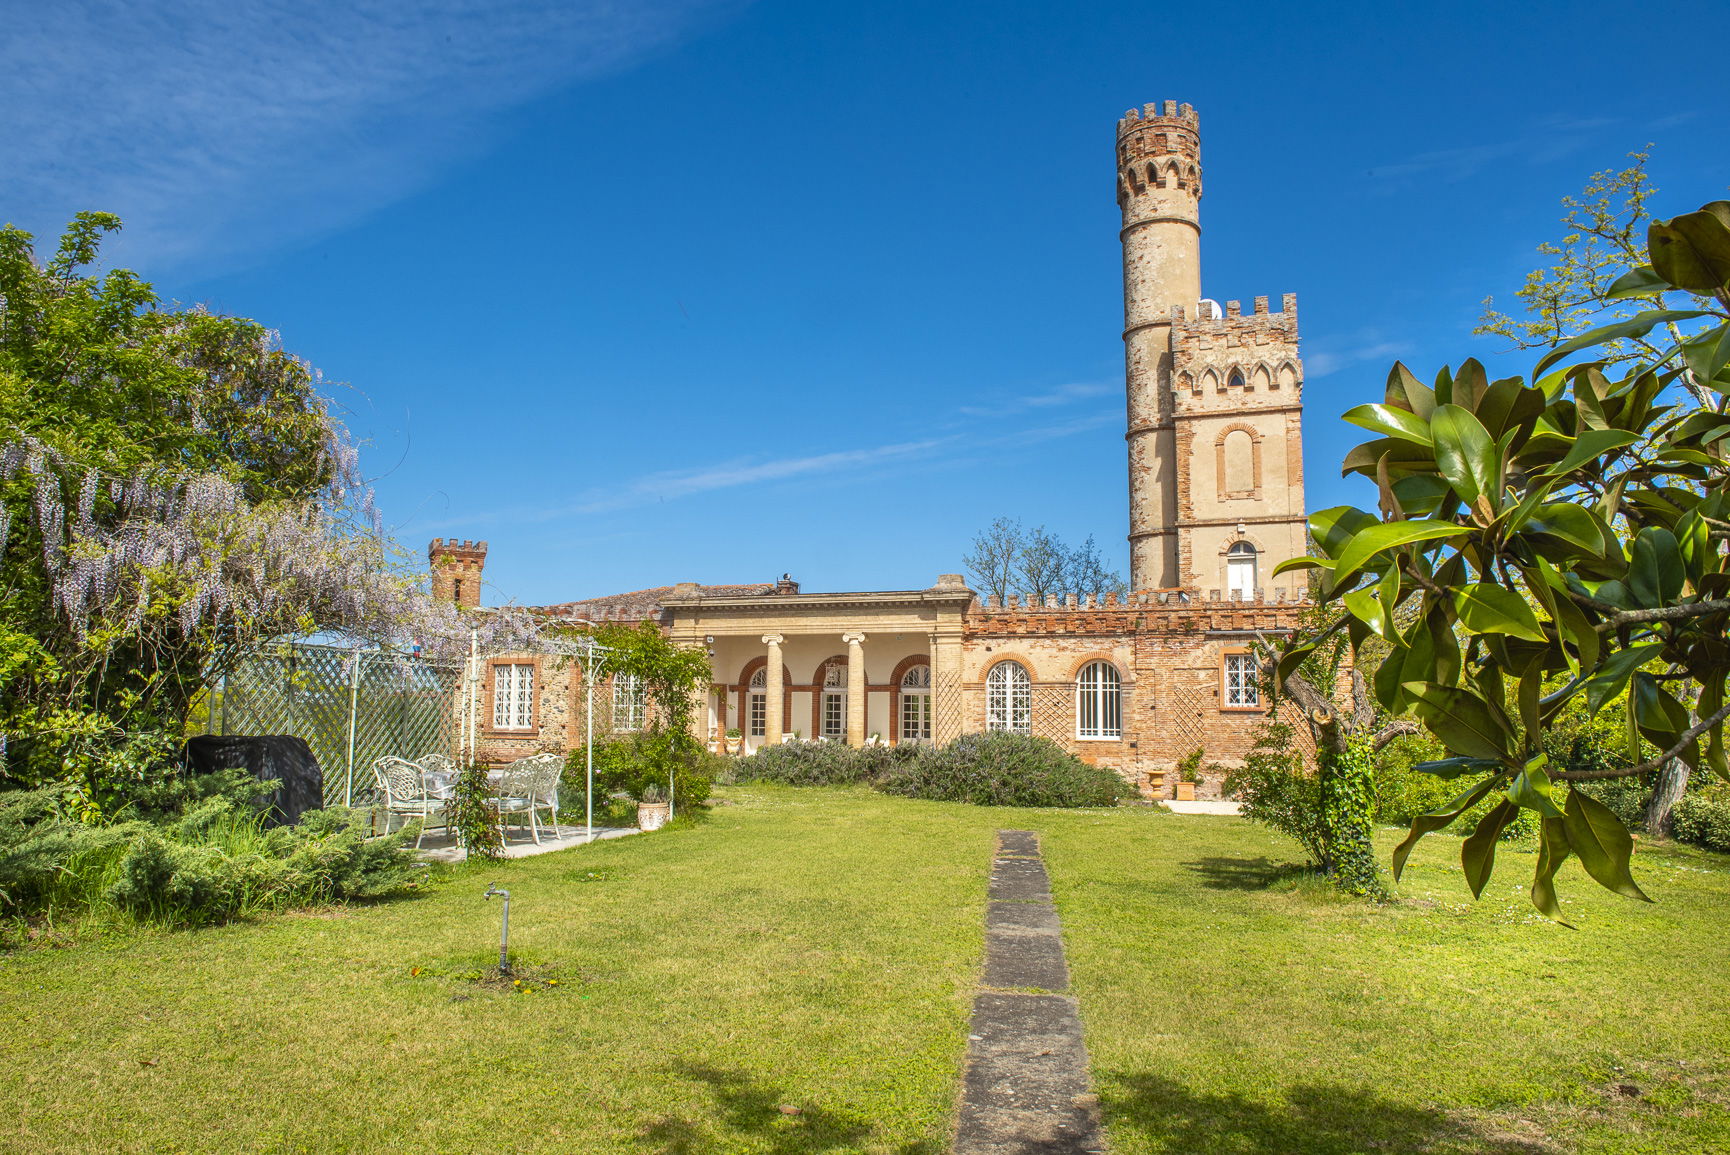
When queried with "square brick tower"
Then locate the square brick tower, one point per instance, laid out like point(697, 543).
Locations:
point(1214, 401)
point(456, 570)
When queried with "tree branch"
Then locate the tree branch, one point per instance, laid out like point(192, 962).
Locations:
point(1394, 730)
point(1661, 614)
point(1652, 764)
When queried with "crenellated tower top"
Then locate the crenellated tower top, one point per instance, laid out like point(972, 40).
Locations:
point(1159, 160)
point(456, 570)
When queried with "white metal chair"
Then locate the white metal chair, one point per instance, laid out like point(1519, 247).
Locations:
point(546, 793)
point(406, 795)
point(516, 794)
point(441, 773)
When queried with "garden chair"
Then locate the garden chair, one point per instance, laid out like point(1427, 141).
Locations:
point(546, 794)
point(404, 787)
point(441, 773)
point(517, 786)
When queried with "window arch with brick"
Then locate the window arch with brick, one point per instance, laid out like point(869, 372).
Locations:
point(1098, 701)
point(1009, 698)
point(753, 691)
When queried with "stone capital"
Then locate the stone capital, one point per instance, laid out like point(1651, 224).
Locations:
point(772, 639)
point(854, 638)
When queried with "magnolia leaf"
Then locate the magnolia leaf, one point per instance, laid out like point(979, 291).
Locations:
point(1478, 852)
point(1602, 842)
point(1465, 723)
point(1655, 571)
point(1639, 281)
point(1611, 676)
point(1389, 535)
point(1436, 819)
point(1636, 326)
point(1531, 789)
point(1574, 524)
point(1334, 528)
point(1405, 391)
point(1457, 766)
point(1391, 421)
point(1552, 852)
point(1465, 455)
point(1591, 445)
point(1487, 608)
point(1692, 251)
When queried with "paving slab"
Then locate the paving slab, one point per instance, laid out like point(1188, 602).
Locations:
point(1026, 1088)
point(1016, 958)
point(443, 847)
point(1019, 880)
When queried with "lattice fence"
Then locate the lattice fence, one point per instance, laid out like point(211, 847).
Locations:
point(351, 707)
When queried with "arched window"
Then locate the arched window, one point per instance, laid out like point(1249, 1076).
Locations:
point(916, 705)
point(1009, 698)
point(1099, 702)
point(1240, 571)
point(1236, 381)
point(757, 704)
point(630, 705)
point(834, 716)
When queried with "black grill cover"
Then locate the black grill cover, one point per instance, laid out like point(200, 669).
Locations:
point(278, 758)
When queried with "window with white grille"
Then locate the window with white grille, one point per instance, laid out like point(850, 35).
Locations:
point(1009, 698)
point(630, 704)
point(757, 705)
point(834, 719)
point(1240, 571)
point(916, 705)
point(513, 696)
point(1099, 702)
point(1240, 681)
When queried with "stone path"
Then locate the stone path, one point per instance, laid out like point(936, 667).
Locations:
point(1025, 1090)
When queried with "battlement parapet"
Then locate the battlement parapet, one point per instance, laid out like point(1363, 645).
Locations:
point(1156, 612)
point(1201, 339)
point(439, 547)
point(1170, 113)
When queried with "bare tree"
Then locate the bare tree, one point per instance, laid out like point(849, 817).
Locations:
point(1042, 564)
point(991, 564)
point(1087, 572)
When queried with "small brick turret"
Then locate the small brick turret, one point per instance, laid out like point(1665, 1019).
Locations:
point(456, 570)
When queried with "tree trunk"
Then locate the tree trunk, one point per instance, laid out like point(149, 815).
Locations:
point(1672, 781)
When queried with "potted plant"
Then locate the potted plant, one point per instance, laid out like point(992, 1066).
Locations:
point(1189, 774)
point(735, 740)
point(652, 808)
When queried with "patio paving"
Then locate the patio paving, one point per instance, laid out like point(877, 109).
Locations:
point(442, 847)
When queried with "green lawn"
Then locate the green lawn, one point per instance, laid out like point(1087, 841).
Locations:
point(819, 949)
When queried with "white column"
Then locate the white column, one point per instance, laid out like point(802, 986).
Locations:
point(774, 696)
point(855, 688)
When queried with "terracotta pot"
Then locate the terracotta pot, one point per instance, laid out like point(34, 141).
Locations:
point(651, 815)
point(1186, 791)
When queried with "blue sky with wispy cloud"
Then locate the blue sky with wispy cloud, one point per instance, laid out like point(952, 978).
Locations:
point(645, 291)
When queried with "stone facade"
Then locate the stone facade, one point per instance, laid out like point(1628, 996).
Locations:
point(1214, 432)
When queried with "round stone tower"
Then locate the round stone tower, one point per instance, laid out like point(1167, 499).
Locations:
point(1158, 189)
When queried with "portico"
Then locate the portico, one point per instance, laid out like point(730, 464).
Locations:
point(839, 666)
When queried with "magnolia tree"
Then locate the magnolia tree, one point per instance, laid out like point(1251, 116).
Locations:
point(1543, 543)
point(173, 491)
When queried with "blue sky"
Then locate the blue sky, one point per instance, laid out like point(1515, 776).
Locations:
point(665, 290)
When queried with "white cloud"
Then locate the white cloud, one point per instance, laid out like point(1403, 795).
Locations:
point(1062, 395)
point(1318, 364)
point(673, 484)
point(222, 128)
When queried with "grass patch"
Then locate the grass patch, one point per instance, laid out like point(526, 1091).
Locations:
point(795, 975)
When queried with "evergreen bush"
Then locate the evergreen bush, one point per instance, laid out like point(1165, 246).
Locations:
point(1003, 769)
point(1704, 819)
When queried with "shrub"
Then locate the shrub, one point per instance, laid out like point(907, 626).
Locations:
point(1275, 788)
point(210, 862)
point(823, 763)
point(629, 764)
point(1704, 819)
point(1002, 769)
